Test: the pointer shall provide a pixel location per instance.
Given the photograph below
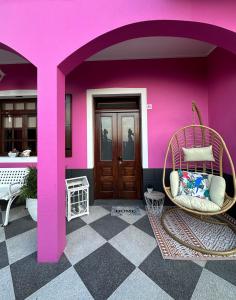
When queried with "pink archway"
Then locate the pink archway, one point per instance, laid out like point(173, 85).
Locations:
point(215, 35)
point(51, 224)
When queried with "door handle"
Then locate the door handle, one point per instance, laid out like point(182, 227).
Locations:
point(120, 159)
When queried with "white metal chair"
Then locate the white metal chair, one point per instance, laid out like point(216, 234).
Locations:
point(11, 181)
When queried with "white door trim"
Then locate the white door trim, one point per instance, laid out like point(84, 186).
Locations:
point(142, 92)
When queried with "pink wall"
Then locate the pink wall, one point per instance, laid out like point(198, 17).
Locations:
point(47, 32)
point(222, 97)
point(19, 76)
point(221, 66)
point(172, 84)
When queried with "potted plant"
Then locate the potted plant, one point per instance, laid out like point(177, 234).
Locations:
point(29, 192)
point(13, 153)
point(150, 188)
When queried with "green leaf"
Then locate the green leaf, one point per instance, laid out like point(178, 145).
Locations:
point(29, 189)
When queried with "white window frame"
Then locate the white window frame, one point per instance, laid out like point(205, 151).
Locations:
point(18, 94)
point(91, 93)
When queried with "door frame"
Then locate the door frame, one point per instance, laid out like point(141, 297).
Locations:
point(109, 92)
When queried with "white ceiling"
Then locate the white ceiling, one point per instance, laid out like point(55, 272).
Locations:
point(7, 57)
point(154, 47)
point(140, 48)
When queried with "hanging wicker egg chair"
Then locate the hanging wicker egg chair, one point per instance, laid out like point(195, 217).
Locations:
point(197, 136)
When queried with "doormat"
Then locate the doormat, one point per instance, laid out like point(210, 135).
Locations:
point(125, 211)
point(194, 231)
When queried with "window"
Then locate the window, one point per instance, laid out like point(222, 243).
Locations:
point(18, 119)
point(18, 125)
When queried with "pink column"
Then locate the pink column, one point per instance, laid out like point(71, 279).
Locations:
point(51, 164)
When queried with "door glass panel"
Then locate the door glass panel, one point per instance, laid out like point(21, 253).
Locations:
point(106, 138)
point(7, 146)
point(17, 134)
point(17, 145)
point(19, 106)
point(8, 134)
point(128, 138)
point(31, 105)
point(7, 106)
point(32, 122)
point(32, 146)
point(32, 133)
point(18, 122)
point(68, 137)
point(7, 123)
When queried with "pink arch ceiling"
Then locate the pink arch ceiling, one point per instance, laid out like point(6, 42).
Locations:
point(10, 49)
point(218, 36)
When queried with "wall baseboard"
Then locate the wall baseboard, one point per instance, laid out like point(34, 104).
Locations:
point(149, 176)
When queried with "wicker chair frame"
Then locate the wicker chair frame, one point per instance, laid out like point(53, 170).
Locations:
point(199, 136)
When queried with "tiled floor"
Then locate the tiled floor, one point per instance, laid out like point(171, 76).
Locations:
point(105, 258)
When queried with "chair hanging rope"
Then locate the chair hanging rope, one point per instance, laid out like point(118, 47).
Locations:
point(195, 110)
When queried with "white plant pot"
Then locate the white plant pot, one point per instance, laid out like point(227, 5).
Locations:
point(32, 205)
point(12, 154)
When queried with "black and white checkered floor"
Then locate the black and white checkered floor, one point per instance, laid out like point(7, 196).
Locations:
point(106, 258)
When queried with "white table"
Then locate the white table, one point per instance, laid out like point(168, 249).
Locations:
point(155, 201)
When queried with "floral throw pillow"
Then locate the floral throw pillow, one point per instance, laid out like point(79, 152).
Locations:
point(193, 184)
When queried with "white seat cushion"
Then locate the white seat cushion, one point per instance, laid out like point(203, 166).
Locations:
point(196, 203)
point(217, 190)
point(174, 183)
point(4, 192)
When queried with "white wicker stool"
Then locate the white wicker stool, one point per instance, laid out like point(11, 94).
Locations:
point(155, 202)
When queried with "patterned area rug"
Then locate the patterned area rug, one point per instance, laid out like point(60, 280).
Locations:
point(195, 232)
point(125, 211)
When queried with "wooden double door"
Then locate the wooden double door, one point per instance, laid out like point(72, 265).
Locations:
point(117, 155)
